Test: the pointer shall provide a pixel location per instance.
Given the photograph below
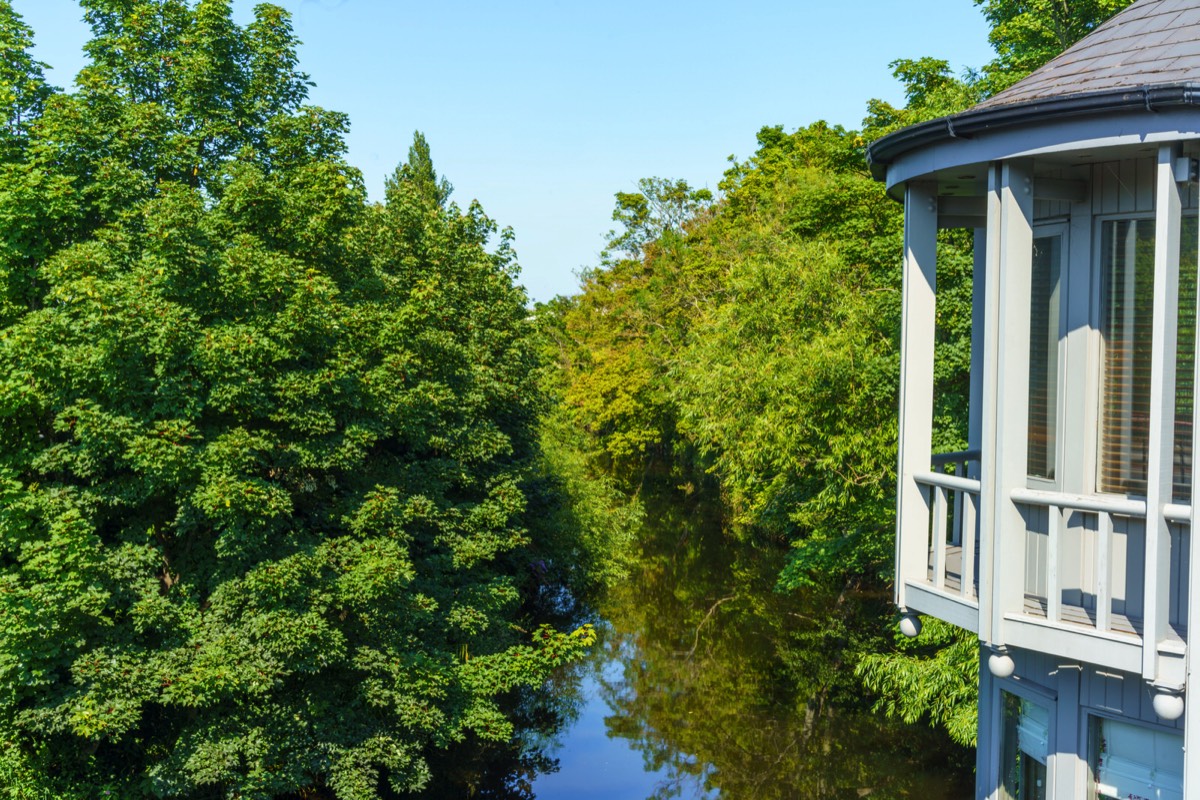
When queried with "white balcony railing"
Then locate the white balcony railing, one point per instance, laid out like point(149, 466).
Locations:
point(1085, 561)
point(951, 492)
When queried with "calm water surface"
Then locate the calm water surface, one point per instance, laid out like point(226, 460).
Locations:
point(710, 684)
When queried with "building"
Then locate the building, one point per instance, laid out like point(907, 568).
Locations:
point(1061, 537)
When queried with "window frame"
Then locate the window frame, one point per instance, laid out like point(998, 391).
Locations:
point(1087, 713)
point(1091, 476)
point(1032, 693)
point(1044, 228)
point(1094, 378)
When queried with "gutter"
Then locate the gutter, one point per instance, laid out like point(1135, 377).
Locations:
point(883, 152)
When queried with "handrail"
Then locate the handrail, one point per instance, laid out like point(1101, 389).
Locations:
point(1174, 512)
point(944, 481)
point(941, 459)
point(1097, 504)
point(1105, 508)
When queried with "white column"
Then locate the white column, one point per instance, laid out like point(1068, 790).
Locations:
point(987, 757)
point(916, 382)
point(1068, 778)
point(1168, 208)
point(1191, 735)
point(987, 421)
point(1007, 385)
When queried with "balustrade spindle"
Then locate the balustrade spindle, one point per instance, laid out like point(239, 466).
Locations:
point(1053, 590)
point(970, 520)
point(939, 537)
point(956, 528)
point(1104, 544)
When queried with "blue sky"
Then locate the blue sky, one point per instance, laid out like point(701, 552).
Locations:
point(542, 109)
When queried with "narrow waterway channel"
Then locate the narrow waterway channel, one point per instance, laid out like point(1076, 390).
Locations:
point(711, 684)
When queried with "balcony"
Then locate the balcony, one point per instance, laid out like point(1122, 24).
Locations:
point(949, 587)
point(1081, 565)
point(1058, 533)
point(1085, 575)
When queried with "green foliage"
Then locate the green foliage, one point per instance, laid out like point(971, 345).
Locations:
point(787, 384)
point(418, 173)
point(760, 344)
point(731, 686)
point(602, 520)
point(266, 451)
point(23, 89)
point(660, 207)
point(628, 328)
point(930, 91)
point(1028, 33)
point(935, 677)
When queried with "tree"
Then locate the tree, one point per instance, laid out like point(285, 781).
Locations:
point(1028, 33)
point(264, 448)
point(23, 88)
point(660, 207)
point(418, 173)
point(930, 90)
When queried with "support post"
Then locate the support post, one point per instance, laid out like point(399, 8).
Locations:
point(1104, 550)
point(1069, 776)
point(1007, 386)
point(1191, 741)
point(1054, 518)
point(987, 762)
point(990, 274)
point(1168, 212)
point(916, 383)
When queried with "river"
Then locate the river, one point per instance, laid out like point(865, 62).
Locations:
point(708, 683)
point(711, 684)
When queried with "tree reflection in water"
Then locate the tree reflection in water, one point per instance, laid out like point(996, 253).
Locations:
point(728, 688)
point(735, 690)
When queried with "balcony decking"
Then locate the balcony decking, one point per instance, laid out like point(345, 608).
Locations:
point(953, 572)
point(1085, 618)
point(1084, 573)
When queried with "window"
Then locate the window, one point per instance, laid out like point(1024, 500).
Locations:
point(1132, 761)
point(1127, 302)
point(1181, 472)
point(1025, 747)
point(1043, 355)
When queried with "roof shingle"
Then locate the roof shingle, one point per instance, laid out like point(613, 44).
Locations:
point(1151, 42)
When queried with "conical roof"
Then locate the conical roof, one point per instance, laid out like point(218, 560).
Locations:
point(1142, 61)
point(1151, 42)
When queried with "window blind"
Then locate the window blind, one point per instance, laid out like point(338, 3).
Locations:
point(1181, 472)
point(1127, 297)
point(1127, 287)
point(1043, 355)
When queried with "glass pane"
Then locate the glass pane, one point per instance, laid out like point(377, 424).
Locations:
point(1043, 355)
point(1127, 287)
point(1134, 761)
point(1185, 364)
point(1025, 748)
point(1127, 253)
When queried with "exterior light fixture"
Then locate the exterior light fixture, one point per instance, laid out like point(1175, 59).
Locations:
point(1001, 665)
point(1168, 704)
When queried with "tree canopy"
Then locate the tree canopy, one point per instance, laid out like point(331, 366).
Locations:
point(290, 482)
point(1027, 33)
point(752, 343)
point(266, 450)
